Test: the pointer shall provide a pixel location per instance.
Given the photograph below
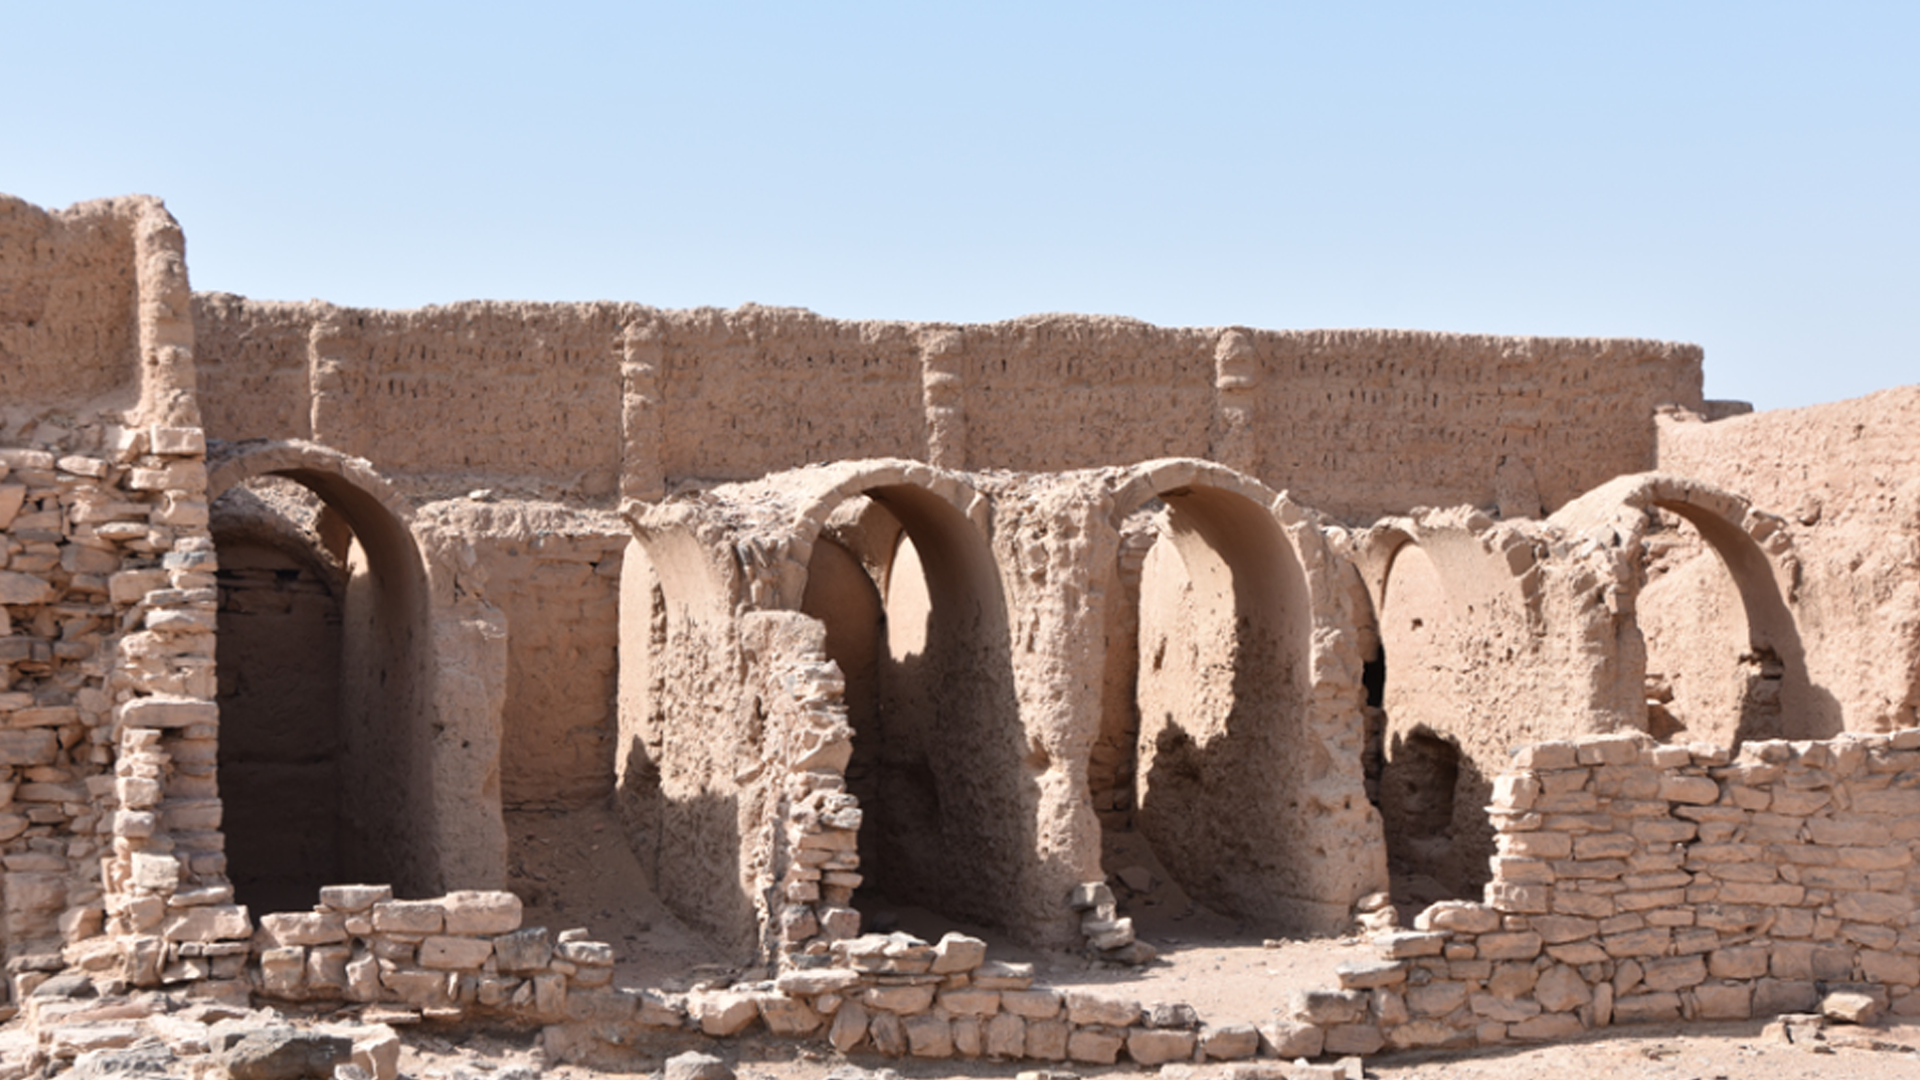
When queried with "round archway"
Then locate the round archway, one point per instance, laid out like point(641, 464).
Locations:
point(324, 764)
point(1221, 754)
point(909, 594)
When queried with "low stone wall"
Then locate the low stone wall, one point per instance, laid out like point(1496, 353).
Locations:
point(447, 957)
point(1638, 882)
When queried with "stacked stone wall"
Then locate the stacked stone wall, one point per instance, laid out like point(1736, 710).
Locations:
point(113, 812)
point(447, 957)
point(1639, 882)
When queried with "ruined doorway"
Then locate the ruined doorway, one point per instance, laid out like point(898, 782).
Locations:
point(1708, 676)
point(1199, 774)
point(1438, 840)
point(279, 655)
point(326, 707)
point(906, 589)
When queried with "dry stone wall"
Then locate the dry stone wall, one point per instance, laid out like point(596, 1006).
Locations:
point(1639, 882)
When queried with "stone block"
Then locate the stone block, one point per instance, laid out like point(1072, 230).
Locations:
point(442, 952)
point(1368, 974)
point(1546, 1027)
point(788, 1016)
point(354, 898)
point(1289, 1039)
point(1362, 1039)
point(1771, 997)
point(849, 1026)
point(723, 1012)
point(1723, 1001)
point(481, 912)
point(303, 928)
point(1084, 1007)
point(1561, 989)
point(970, 1001)
point(1650, 1008)
point(957, 953)
point(1461, 916)
point(1006, 1036)
point(1608, 749)
point(1738, 962)
point(167, 712)
point(1560, 929)
point(1047, 1039)
point(1676, 973)
point(29, 746)
point(888, 1034)
point(1557, 754)
point(969, 1039)
point(1230, 1042)
point(1697, 790)
point(902, 1000)
point(1890, 968)
point(1436, 998)
point(210, 922)
point(408, 917)
point(1524, 945)
point(1885, 908)
point(1404, 944)
point(1094, 1046)
point(1038, 1004)
point(1157, 1046)
point(523, 950)
point(1329, 1007)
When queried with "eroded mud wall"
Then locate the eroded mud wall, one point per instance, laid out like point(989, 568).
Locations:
point(569, 399)
point(68, 298)
point(1846, 477)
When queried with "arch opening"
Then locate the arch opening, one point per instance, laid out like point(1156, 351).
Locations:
point(323, 765)
point(1723, 657)
point(914, 617)
point(1430, 794)
point(1201, 771)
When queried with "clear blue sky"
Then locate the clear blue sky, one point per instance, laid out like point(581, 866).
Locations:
point(1741, 175)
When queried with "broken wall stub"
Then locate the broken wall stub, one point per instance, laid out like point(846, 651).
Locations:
point(110, 609)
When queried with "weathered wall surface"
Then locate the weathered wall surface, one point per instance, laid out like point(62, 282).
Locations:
point(1846, 477)
point(577, 399)
point(1363, 422)
point(251, 360)
point(553, 575)
point(68, 296)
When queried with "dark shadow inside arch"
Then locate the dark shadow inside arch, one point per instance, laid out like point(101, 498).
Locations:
point(915, 618)
point(324, 693)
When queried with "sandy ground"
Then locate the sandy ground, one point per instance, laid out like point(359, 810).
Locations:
point(1746, 1051)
